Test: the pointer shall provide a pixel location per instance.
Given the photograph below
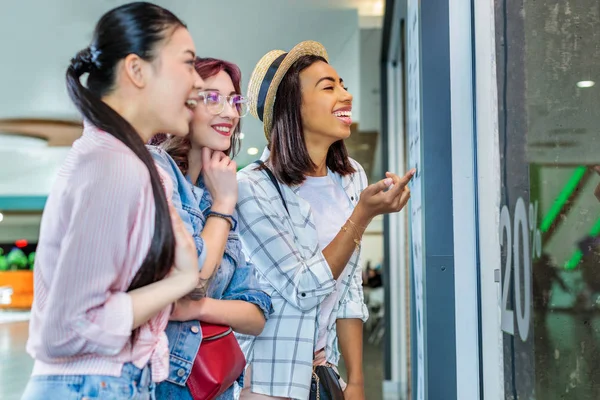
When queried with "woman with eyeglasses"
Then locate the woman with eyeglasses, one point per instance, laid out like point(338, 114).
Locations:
point(205, 196)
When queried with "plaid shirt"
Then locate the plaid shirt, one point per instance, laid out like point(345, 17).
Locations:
point(291, 268)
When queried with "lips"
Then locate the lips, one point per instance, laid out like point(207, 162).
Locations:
point(223, 129)
point(344, 115)
point(191, 103)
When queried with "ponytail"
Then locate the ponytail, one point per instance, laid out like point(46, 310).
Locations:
point(160, 257)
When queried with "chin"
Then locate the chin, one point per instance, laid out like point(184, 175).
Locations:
point(345, 135)
point(220, 145)
point(179, 130)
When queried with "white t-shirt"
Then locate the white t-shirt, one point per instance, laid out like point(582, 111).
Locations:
point(331, 209)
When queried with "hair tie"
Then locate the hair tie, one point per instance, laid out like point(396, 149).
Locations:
point(86, 60)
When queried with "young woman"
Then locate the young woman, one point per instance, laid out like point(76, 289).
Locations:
point(112, 254)
point(305, 239)
point(205, 196)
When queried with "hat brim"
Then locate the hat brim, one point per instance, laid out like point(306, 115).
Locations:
point(306, 48)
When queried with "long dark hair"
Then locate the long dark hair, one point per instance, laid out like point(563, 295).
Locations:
point(289, 156)
point(135, 28)
point(179, 147)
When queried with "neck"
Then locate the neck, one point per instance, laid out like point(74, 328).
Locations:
point(194, 164)
point(318, 155)
point(129, 112)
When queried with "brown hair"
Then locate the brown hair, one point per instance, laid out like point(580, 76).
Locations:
point(289, 156)
point(179, 147)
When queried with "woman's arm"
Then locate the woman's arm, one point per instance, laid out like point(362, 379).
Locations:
point(84, 312)
point(350, 337)
point(211, 241)
point(214, 234)
point(351, 316)
point(242, 316)
point(243, 305)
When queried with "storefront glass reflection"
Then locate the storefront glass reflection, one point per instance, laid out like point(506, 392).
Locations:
point(548, 76)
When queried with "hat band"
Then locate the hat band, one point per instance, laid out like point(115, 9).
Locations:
point(266, 83)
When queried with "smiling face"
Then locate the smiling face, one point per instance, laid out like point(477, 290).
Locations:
point(210, 130)
point(172, 92)
point(326, 104)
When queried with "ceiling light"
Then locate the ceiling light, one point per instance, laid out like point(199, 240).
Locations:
point(585, 84)
point(378, 8)
point(242, 135)
point(253, 151)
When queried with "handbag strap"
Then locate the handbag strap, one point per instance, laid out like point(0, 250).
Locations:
point(275, 182)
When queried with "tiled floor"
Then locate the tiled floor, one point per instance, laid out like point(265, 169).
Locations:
point(15, 364)
point(567, 359)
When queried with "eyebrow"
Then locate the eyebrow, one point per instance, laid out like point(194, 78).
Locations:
point(191, 53)
point(328, 78)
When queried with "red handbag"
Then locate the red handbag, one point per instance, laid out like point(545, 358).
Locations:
point(218, 364)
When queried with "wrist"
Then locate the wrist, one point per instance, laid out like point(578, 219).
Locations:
point(223, 207)
point(360, 216)
point(227, 217)
point(200, 308)
point(186, 281)
point(356, 380)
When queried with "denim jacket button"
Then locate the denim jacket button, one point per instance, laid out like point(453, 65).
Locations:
point(181, 372)
point(195, 329)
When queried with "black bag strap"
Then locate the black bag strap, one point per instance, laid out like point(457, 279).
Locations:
point(275, 182)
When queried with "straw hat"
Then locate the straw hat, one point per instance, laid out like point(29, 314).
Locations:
point(267, 76)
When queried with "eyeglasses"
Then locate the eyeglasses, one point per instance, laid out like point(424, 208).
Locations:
point(215, 103)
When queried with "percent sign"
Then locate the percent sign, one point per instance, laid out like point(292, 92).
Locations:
point(536, 236)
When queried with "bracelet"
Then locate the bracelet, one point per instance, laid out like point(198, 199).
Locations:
point(364, 228)
point(227, 217)
point(356, 241)
point(355, 229)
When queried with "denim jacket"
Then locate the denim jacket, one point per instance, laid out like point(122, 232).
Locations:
point(233, 280)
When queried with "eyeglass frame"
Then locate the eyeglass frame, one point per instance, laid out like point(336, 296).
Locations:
point(225, 99)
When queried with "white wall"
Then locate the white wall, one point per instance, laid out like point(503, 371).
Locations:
point(370, 80)
point(370, 91)
point(39, 37)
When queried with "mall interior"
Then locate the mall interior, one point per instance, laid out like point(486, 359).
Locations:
point(487, 285)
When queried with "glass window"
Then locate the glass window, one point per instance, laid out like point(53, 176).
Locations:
point(548, 76)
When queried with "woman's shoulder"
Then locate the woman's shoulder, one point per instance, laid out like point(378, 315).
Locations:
point(356, 165)
point(158, 153)
point(253, 182)
point(358, 176)
point(97, 164)
point(164, 160)
point(252, 174)
point(250, 171)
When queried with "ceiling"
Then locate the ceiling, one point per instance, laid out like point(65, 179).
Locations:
point(33, 164)
point(370, 12)
point(561, 48)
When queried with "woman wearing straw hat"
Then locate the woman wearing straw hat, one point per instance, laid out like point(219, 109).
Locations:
point(302, 211)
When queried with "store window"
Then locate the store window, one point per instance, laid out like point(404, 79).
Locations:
point(548, 77)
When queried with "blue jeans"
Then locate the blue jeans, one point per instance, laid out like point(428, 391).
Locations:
point(167, 391)
point(133, 384)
